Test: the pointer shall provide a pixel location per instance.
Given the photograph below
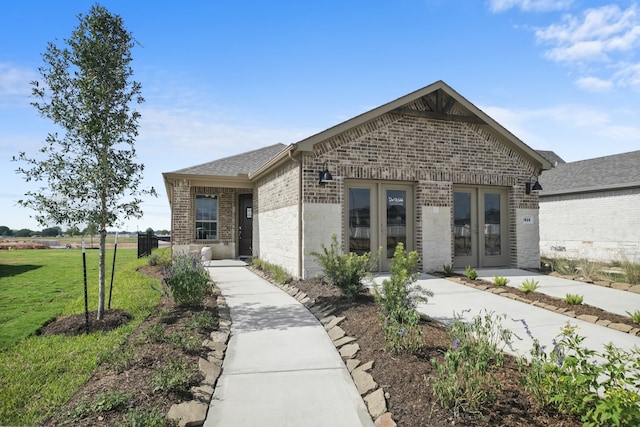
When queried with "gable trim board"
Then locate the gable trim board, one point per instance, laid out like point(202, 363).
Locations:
point(411, 153)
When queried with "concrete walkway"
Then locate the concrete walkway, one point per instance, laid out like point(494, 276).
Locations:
point(281, 368)
point(453, 299)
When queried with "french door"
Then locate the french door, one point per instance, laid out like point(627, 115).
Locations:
point(379, 216)
point(480, 228)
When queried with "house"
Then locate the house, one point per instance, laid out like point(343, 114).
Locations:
point(591, 209)
point(428, 169)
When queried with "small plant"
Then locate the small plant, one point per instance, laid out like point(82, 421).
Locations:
point(447, 269)
point(632, 272)
point(155, 333)
point(346, 271)
point(471, 273)
point(153, 259)
point(119, 359)
point(574, 299)
point(529, 285)
point(600, 388)
point(101, 403)
point(143, 418)
point(635, 316)
point(202, 322)
point(463, 379)
point(500, 281)
point(275, 272)
point(589, 269)
point(188, 280)
point(175, 376)
point(400, 321)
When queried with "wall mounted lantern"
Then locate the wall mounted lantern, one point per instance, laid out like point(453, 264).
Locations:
point(325, 175)
point(528, 187)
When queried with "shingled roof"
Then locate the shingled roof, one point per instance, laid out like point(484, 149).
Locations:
point(614, 172)
point(240, 164)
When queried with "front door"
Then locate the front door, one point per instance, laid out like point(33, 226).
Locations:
point(245, 225)
point(379, 216)
point(480, 229)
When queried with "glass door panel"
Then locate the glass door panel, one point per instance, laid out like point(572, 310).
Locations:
point(396, 210)
point(492, 220)
point(359, 220)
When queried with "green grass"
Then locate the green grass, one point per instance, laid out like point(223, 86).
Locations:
point(40, 373)
point(39, 285)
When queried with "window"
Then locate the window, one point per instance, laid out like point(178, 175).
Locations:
point(207, 217)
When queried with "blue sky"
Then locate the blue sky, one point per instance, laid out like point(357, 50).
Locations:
point(224, 77)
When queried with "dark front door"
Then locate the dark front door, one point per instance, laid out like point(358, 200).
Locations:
point(245, 224)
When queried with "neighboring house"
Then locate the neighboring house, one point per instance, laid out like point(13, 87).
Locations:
point(429, 170)
point(591, 209)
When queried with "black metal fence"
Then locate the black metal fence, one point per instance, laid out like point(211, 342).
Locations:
point(146, 243)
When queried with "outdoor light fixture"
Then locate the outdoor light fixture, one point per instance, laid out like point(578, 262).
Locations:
point(325, 175)
point(528, 188)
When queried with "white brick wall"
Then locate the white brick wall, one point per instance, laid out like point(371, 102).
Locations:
point(278, 230)
point(321, 220)
point(528, 238)
point(602, 226)
point(436, 237)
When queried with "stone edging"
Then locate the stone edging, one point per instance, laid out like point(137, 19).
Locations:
point(375, 397)
point(194, 412)
point(504, 292)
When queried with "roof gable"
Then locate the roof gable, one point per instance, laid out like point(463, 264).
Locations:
point(437, 101)
point(603, 173)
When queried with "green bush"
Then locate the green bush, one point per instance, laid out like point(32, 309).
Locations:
point(574, 299)
point(529, 285)
point(500, 281)
point(463, 379)
point(447, 269)
point(400, 321)
point(600, 388)
point(471, 273)
point(346, 271)
point(188, 280)
point(635, 316)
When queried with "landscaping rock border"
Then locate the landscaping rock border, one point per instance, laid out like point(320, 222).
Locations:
point(374, 396)
point(193, 413)
point(504, 292)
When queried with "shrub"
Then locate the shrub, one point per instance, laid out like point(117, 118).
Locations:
point(188, 280)
point(400, 321)
point(104, 402)
point(529, 285)
point(574, 299)
point(463, 379)
point(471, 273)
point(346, 271)
point(500, 281)
point(143, 418)
point(589, 269)
point(599, 388)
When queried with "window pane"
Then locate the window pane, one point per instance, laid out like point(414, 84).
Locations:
point(492, 224)
point(396, 220)
point(462, 223)
point(359, 220)
point(206, 217)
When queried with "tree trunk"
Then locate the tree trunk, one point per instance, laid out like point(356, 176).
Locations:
point(101, 275)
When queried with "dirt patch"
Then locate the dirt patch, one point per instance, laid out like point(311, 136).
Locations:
point(407, 376)
point(77, 324)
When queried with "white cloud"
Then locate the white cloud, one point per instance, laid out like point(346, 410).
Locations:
point(594, 36)
point(629, 76)
point(594, 84)
point(15, 85)
point(529, 5)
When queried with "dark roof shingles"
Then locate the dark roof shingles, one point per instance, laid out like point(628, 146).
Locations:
point(240, 164)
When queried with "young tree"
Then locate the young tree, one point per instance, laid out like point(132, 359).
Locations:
point(86, 91)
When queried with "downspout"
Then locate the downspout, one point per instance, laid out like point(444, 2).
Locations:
point(299, 161)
